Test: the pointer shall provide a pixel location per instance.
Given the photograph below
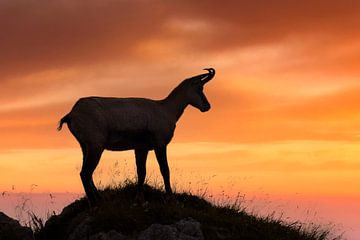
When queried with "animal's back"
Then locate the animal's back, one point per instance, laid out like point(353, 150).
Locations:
point(118, 123)
point(129, 114)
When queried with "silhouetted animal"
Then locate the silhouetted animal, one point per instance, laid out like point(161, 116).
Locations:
point(118, 124)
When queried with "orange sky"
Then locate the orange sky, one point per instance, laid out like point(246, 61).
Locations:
point(285, 99)
point(285, 71)
point(285, 116)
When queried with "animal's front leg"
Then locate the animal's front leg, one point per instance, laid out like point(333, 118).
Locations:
point(140, 156)
point(161, 157)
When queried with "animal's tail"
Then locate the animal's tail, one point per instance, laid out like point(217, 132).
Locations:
point(65, 119)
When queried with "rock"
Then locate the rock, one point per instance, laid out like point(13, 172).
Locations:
point(159, 232)
point(189, 227)
point(11, 229)
point(112, 235)
point(71, 222)
point(185, 229)
point(83, 230)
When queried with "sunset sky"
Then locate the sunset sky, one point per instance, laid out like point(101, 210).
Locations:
point(285, 100)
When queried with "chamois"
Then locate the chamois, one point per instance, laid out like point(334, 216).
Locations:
point(118, 124)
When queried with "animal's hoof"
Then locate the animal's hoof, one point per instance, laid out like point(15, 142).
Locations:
point(139, 198)
point(169, 198)
point(99, 200)
point(94, 202)
point(94, 210)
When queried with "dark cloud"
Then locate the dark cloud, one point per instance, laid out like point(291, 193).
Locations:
point(251, 22)
point(38, 35)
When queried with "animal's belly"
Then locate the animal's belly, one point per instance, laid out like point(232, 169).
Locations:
point(121, 141)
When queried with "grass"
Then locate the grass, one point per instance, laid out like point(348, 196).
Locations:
point(119, 212)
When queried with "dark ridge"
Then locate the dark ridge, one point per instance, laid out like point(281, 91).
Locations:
point(118, 211)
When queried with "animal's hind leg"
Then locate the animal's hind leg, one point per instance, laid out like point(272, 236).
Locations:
point(91, 159)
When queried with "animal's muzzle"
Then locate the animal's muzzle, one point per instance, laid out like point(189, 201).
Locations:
point(205, 108)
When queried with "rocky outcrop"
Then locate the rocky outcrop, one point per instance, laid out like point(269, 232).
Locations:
point(185, 229)
point(112, 235)
point(11, 229)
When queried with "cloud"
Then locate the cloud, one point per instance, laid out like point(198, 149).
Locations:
point(41, 35)
point(38, 35)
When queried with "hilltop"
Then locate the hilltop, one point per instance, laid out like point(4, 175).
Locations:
point(182, 216)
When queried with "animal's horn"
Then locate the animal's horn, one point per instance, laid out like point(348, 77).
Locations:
point(209, 75)
point(199, 77)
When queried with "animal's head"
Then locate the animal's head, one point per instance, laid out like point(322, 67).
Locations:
point(195, 93)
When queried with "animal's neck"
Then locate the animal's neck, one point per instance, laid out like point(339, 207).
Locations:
point(176, 103)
